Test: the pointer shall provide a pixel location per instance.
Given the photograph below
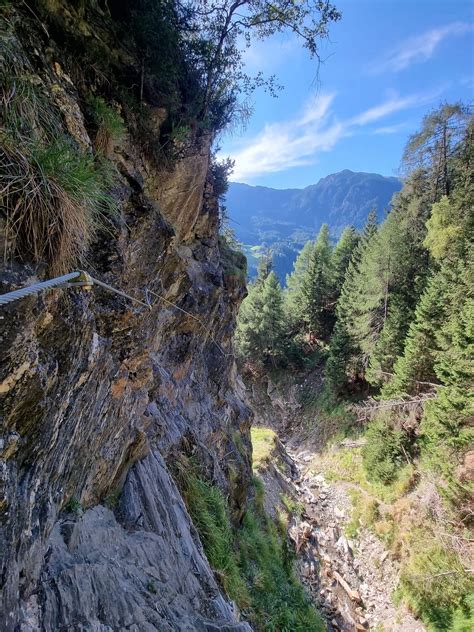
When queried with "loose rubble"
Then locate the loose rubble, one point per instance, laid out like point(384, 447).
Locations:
point(351, 582)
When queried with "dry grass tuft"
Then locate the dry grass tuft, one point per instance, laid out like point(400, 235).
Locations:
point(41, 220)
point(52, 194)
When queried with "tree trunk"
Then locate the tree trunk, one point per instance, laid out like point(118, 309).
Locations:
point(445, 160)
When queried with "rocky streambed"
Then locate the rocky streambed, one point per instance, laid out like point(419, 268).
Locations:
point(351, 581)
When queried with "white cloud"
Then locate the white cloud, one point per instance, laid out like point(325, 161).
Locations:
point(297, 142)
point(392, 105)
point(419, 48)
point(291, 143)
point(390, 129)
point(268, 55)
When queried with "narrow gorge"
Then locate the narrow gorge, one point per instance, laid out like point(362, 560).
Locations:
point(185, 446)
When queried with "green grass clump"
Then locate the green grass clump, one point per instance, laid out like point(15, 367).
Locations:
point(234, 262)
point(210, 517)
point(292, 506)
point(279, 601)
point(263, 444)
point(344, 464)
point(435, 584)
point(150, 586)
point(54, 198)
point(253, 561)
point(108, 123)
point(73, 506)
point(365, 513)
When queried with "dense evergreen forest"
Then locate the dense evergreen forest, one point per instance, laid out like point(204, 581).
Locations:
point(388, 316)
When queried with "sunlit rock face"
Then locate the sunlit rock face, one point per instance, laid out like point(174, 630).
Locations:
point(101, 395)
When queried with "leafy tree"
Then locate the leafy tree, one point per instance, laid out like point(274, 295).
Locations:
point(444, 228)
point(316, 287)
point(223, 24)
point(190, 52)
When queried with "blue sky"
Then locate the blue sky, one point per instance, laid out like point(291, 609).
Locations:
point(386, 65)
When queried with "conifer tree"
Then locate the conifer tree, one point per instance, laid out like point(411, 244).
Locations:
point(272, 318)
point(261, 325)
point(434, 148)
point(265, 265)
point(391, 274)
point(341, 351)
point(446, 428)
point(293, 296)
point(440, 343)
point(343, 362)
point(414, 370)
point(248, 338)
point(316, 287)
point(341, 257)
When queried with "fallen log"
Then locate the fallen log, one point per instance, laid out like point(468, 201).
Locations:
point(353, 594)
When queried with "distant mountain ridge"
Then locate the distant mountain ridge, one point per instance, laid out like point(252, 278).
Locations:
point(284, 219)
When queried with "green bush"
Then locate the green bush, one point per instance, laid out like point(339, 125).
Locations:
point(463, 617)
point(73, 506)
point(384, 452)
point(436, 586)
point(234, 262)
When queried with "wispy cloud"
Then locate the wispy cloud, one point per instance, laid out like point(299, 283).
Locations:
point(291, 143)
point(419, 48)
point(267, 56)
point(298, 142)
point(394, 104)
point(390, 129)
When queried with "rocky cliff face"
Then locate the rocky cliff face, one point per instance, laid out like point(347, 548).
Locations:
point(101, 396)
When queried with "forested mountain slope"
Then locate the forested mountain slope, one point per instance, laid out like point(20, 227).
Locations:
point(282, 220)
point(385, 318)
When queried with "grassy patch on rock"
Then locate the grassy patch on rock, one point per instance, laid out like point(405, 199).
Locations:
point(252, 562)
point(263, 444)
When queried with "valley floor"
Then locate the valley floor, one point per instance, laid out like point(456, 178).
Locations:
point(350, 573)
